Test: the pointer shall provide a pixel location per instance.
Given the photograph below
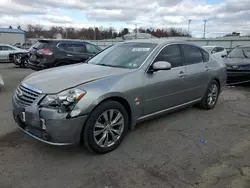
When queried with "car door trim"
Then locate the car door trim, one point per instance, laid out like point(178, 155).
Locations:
point(168, 109)
point(174, 93)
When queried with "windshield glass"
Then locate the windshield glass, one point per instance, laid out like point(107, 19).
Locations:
point(239, 53)
point(208, 48)
point(125, 55)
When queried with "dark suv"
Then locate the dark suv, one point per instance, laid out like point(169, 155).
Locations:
point(50, 53)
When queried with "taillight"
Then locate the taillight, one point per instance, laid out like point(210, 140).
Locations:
point(45, 51)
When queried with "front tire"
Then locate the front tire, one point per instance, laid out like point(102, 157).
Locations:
point(25, 63)
point(106, 127)
point(211, 96)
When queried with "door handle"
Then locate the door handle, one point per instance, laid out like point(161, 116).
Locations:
point(182, 74)
point(69, 55)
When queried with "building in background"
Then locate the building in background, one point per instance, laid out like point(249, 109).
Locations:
point(11, 36)
point(131, 36)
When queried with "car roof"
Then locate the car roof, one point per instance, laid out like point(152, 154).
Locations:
point(213, 46)
point(245, 45)
point(6, 44)
point(210, 46)
point(62, 40)
point(159, 41)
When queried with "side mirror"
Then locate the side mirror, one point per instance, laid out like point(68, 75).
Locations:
point(161, 65)
point(223, 56)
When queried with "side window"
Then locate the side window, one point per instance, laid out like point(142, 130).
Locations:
point(192, 54)
point(220, 49)
point(63, 46)
point(215, 50)
point(7, 48)
point(205, 55)
point(171, 54)
point(78, 47)
point(92, 49)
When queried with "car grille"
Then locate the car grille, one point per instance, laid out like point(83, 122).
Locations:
point(25, 96)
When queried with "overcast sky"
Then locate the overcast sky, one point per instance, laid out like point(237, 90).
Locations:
point(224, 16)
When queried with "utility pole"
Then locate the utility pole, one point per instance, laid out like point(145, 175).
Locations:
point(189, 22)
point(66, 32)
point(205, 25)
point(135, 31)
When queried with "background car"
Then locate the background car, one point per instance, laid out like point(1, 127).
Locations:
point(50, 53)
point(6, 49)
point(238, 64)
point(25, 45)
point(21, 58)
point(1, 82)
point(217, 52)
point(98, 102)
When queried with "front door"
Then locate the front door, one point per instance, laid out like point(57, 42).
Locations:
point(79, 52)
point(165, 89)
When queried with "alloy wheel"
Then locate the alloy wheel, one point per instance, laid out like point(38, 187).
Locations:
point(108, 128)
point(212, 95)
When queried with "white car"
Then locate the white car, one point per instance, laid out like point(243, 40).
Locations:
point(6, 49)
point(217, 52)
point(1, 82)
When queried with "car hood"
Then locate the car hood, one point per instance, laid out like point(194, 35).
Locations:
point(236, 61)
point(57, 79)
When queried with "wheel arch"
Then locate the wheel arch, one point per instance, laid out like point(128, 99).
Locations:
point(218, 81)
point(118, 98)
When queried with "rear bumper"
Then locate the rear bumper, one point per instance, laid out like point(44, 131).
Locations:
point(36, 67)
point(238, 76)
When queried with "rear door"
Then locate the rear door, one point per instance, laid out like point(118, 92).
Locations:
point(5, 51)
point(74, 52)
point(198, 71)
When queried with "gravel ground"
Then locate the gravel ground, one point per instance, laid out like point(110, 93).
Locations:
point(165, 152)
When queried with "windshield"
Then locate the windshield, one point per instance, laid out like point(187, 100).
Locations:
point(208, 48)
point(125, 55)
point(239, 53)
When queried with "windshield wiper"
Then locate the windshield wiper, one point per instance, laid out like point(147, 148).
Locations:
point(107, 65)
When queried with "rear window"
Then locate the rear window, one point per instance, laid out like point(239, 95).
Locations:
point(42, 44)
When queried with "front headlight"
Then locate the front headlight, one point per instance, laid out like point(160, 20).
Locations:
point(65, 100)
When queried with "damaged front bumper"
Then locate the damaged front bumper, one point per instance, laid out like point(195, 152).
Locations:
point(47, 125)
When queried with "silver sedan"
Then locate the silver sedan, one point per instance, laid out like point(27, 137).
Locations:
point(6, 49)
point(98, 102)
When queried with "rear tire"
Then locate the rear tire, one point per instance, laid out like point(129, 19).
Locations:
point(211, 96)
point(106, 127)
